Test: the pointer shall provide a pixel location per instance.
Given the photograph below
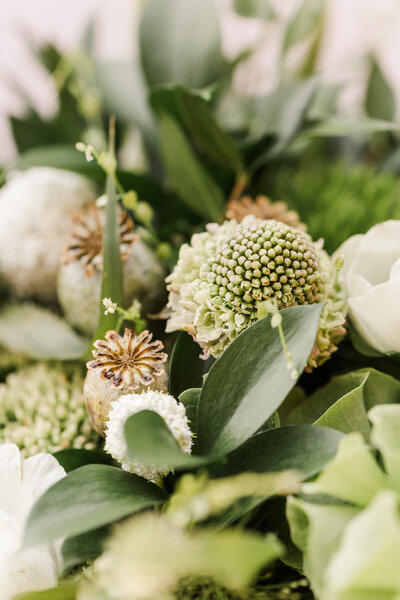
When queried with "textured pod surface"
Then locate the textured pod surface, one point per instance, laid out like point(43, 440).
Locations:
point(35, 211)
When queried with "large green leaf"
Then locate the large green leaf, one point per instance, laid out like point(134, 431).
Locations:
point(73, 458)
point(380, 102)
point(86, 499)
point(112, 282)
point(78, 549)
point(38, 333)
point(195, 113)
point(345, 126)
point(180, 42)
point(190, 399)
point(304, 448)
point(187, 175)
point(151, 442)
point(251, 379)
point(186, 366)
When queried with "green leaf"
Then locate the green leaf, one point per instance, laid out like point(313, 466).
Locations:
point(151, 442)
point(73, 458)
point(251, 379)
point(346, 126)
point(64, 591)
point(180, 42)
point(112, 283)
point(380, 102)
point(38, 333)
point(195, 113)
point(86, 499)
point(190, 399)
point(186, 367)
point(79, 549)
point(187, 175)
point(303, 448)
point(304, 23)
point(385, 421)
point(254, 8)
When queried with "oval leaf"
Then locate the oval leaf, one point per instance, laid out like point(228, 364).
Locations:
point(187, 368)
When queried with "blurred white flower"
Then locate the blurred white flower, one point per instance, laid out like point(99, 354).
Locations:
point(21, 484)
point(163, 404)
point(371, 275)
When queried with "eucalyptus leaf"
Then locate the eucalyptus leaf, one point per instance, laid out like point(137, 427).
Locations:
point(38, 333)
point(86, 499)
point(73, 458)
point(380, 102)
point(303, 448)
point(192, 182)
point(180, 42)
point(78, 549)
point(186, 366)
point(251, 379)
point(150, 441)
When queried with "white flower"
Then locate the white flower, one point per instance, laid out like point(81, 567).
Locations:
point(371, 275)
point(163, 404)
point(21, 484)
point(109, 305)
point(35, 207)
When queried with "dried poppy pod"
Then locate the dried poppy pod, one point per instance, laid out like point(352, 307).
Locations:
point(79, 280)
point(263, 208)
point(122, 365)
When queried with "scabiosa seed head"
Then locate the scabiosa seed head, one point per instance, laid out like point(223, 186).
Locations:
point(222, 279)
point(121, 365)
point(127, 405)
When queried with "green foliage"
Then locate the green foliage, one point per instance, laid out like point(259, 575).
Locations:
point(335, 201)
point(380, 102)
point(186, 366)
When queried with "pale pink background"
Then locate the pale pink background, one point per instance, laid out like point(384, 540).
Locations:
point(355, 27)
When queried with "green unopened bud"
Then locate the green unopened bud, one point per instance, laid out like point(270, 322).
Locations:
point(144, 212)
point(130, 200)
point(107, 162)
point(164, 251)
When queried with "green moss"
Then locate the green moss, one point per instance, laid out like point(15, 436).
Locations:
point(336, 201)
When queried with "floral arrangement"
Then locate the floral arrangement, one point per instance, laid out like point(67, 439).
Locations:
point(199, 363)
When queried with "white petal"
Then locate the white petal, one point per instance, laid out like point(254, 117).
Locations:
point(10, 476)
point(39, 473)
point(29, 570)
point(357, 286)
point(347, 250)
point(375, 255)
point(376, 316)
point(395, 270)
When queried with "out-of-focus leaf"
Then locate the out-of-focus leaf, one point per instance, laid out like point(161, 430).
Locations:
point(187, 175)
point(255, 8)
point(380, 102)
point(305, 21)
point(73, 458)
point(180, 42)
point(251, 379)
point(38, 333)
point(78, 549)
point(346, 126)
point(64, 591)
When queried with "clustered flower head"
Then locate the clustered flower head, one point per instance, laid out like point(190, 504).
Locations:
point(262, 208)
point(122, 364)
point(42, 409)
point(127, 405)
point(226, 274)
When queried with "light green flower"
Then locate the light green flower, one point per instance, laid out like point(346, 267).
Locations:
point(42, 410)
point(225, 275)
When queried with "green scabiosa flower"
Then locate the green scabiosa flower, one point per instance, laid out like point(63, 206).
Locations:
point(42, 410)
point(225, 276)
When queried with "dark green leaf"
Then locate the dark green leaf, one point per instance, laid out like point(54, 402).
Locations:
point(151, 442)
point(73, 458)
point(304, 448)
point(112, 283)
point(254, 8)
point(380, 102)
point(186, 367)
point(187, 175)
point(38, 333)
point(86, 499)
point(251, 379)
point(79, 549)
point(190, 399)
point(304, 23)
point(180, 42)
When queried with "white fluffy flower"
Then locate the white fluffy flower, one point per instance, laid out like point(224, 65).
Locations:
point(371, 275)
point(21, 484)
point(163, 404)
point(35, 206)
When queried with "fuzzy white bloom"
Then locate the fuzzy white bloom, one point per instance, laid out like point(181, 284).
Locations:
point(371, 275)
point(109, 305)
point(163, 404)
point(21, 485)
point(35, 207)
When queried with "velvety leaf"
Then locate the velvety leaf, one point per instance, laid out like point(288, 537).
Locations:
point(151, 442)
point(86, 499)
point(186, 367)
point(187, 175)
point(180, 42)
point(380, 102)
point(303, 448)
point(73, 458)
point(251, 379)
point(38, 333)
point(79, 549)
